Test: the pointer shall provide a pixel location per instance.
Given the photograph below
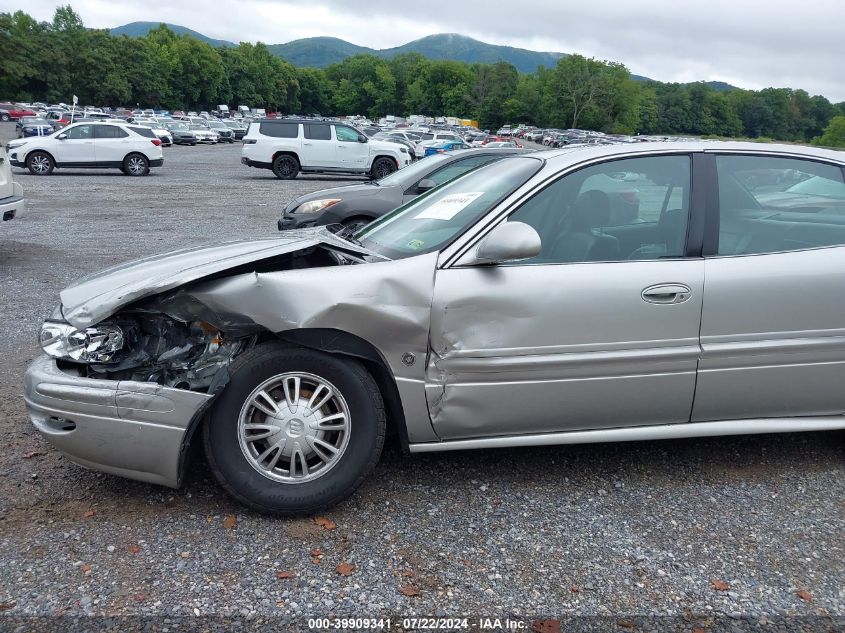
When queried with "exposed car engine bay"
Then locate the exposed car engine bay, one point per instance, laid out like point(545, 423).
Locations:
point(158, 348)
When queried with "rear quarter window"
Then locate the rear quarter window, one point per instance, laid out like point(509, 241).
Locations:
point(279, 130)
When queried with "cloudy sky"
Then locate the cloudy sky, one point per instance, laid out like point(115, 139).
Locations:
point(748, 43)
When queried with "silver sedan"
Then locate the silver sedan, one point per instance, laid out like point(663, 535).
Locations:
point(542, 299)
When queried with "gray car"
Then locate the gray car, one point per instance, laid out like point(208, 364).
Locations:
point(504, 308)
point(361, 203)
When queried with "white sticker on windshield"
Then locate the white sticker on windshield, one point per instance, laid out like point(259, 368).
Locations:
point(449, 206)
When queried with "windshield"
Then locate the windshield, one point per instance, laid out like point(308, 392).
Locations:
point(412, 172)
point(198, 127)
point(433, 220)
point(178, 126)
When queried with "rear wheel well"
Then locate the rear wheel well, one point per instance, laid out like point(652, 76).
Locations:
point(284, 153)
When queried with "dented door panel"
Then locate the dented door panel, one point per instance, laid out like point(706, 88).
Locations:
point(547, 348)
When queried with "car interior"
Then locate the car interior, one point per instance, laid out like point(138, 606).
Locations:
point(582, 218)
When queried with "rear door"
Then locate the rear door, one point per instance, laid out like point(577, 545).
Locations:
point(112, 143)
point(319, 146)
point(773, 319)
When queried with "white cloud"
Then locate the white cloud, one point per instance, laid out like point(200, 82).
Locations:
point(749, 43)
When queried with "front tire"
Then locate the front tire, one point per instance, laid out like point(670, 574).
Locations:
point(136, 165)
point(285, 167)
point(295, 430)
point(40, 164)
point(4, 117)
point(382, 167)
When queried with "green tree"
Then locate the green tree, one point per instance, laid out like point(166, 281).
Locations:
point(834, 133)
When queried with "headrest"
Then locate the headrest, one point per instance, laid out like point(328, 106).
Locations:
point(591, 210)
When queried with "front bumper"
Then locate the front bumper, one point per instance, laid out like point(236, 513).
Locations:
point(298, 220)
point(133, 429)
point(13, 206)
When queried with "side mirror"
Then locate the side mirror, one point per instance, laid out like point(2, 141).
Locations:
point(362, 138)
point(62, 137)
point(426, 184)
point(508, 242)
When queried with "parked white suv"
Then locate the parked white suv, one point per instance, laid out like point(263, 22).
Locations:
point(289, 146)
point(88, 145)
point(11, 193)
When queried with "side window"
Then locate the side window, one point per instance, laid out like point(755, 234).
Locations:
point(771, 205)
point(279, 130)
point(346, 134)
point(80, 132)
point(630, 209)
point(459, 167)
point(318, 132)
point(109, 131)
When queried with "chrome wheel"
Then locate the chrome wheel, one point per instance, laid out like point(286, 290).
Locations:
point(136, 165)
point(40, 164)
point(294, 427)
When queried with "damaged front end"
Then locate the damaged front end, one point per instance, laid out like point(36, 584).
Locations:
point(136, 355)
point(137, 322)
point(146, 347)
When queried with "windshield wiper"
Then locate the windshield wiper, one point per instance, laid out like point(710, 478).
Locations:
point(344, 232)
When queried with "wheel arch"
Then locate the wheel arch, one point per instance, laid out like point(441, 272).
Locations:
point(326, 340)
point(334, 341)
point(285, 152)
point(392, 159)
point(43, 151)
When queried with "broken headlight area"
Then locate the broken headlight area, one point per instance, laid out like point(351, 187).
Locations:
point(97, 344)
point(146, 347)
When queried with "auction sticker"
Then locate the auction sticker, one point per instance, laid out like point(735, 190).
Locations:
point(449, 206)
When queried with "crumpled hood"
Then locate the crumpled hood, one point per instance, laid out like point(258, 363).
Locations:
point(95, 297)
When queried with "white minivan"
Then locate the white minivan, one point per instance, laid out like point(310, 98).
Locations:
point(291, 146)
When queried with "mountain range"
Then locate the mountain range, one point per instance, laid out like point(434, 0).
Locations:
point(323, 51)
point(320, 52)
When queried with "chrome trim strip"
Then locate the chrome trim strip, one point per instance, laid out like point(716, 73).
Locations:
point(643, 433)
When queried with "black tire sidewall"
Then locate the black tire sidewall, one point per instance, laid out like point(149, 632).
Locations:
point(380, 161)
point(367, 428)
point(278, 162)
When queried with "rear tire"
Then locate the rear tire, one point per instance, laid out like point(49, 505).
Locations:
point(294, 478)
point(40, 164)
point(286, 167)
point(136, 165)
point(4, 117)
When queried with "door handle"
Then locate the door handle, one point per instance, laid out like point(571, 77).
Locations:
point(307, 144)
point(666, 293)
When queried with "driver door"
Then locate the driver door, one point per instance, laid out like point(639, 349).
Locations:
point(600, 330)
point(78, 147)
point(353, 153)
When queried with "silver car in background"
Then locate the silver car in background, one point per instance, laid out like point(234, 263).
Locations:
point(509, 307)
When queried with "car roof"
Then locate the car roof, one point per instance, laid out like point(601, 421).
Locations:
point(579, 153)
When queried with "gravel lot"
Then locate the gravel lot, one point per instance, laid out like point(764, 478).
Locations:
point(636, 532)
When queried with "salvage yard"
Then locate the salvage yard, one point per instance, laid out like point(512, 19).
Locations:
point(723, 532)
